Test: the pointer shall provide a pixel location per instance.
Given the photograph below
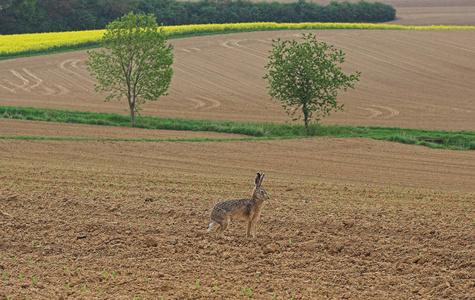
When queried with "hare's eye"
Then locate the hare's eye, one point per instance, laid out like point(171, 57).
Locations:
point(262, 192)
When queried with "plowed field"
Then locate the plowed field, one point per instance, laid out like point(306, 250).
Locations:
point(346, 218)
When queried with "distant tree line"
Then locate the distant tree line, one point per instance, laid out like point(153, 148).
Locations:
point(31, 16)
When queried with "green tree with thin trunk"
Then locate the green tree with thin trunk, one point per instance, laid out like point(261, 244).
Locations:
point(306, 78)
point(134, 62)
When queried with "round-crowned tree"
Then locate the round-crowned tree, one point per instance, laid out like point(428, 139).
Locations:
point(134, 62)
point(306, 77)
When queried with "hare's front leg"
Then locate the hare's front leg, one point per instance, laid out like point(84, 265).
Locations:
point(248, 231)
point(253, 228)
point(253, 224)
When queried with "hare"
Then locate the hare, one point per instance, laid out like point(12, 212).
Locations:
point(240, 209)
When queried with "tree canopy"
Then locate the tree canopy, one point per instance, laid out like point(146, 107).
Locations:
point(306, 77)
point(134, 63)
point(30, 16)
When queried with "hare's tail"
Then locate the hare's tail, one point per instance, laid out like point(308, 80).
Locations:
point(210, 227)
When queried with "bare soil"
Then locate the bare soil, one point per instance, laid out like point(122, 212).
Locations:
point(13, 127)
point(347, 218)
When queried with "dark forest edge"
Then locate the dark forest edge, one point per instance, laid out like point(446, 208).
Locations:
point(33, 16)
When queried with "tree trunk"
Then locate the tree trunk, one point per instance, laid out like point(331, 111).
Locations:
point(132, 112)
point(305, 117)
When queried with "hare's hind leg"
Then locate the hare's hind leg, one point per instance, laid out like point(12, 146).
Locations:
point(219, 232)
point(211, 226)
point(223, 225)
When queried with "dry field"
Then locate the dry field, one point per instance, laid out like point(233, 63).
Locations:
point(347, 218)
point(417, 79)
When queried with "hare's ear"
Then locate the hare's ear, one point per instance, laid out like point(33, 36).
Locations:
point(262, 178)
point(257, 181)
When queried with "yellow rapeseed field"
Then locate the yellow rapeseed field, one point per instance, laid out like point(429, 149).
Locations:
point(44, 42)
point(38, 42)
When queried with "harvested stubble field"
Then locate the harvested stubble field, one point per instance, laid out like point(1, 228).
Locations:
point(347, 218)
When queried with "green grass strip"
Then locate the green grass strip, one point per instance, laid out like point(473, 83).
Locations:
point(18, 45)
point(456, 140)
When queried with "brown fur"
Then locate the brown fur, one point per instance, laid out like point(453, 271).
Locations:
point(240, 209)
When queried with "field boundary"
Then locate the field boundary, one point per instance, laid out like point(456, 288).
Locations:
point(39, 138)
point(21, 45)
point(439, 139)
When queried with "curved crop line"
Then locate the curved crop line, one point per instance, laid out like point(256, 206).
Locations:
point(18, 75)
point(23, 44)
point(38, 80)
point(393, 112)
point(73, 63)
point(374, 112)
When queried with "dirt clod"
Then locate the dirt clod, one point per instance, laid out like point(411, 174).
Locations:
point(271, 248)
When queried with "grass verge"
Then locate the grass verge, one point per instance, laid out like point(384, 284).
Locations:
point(459, 140)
